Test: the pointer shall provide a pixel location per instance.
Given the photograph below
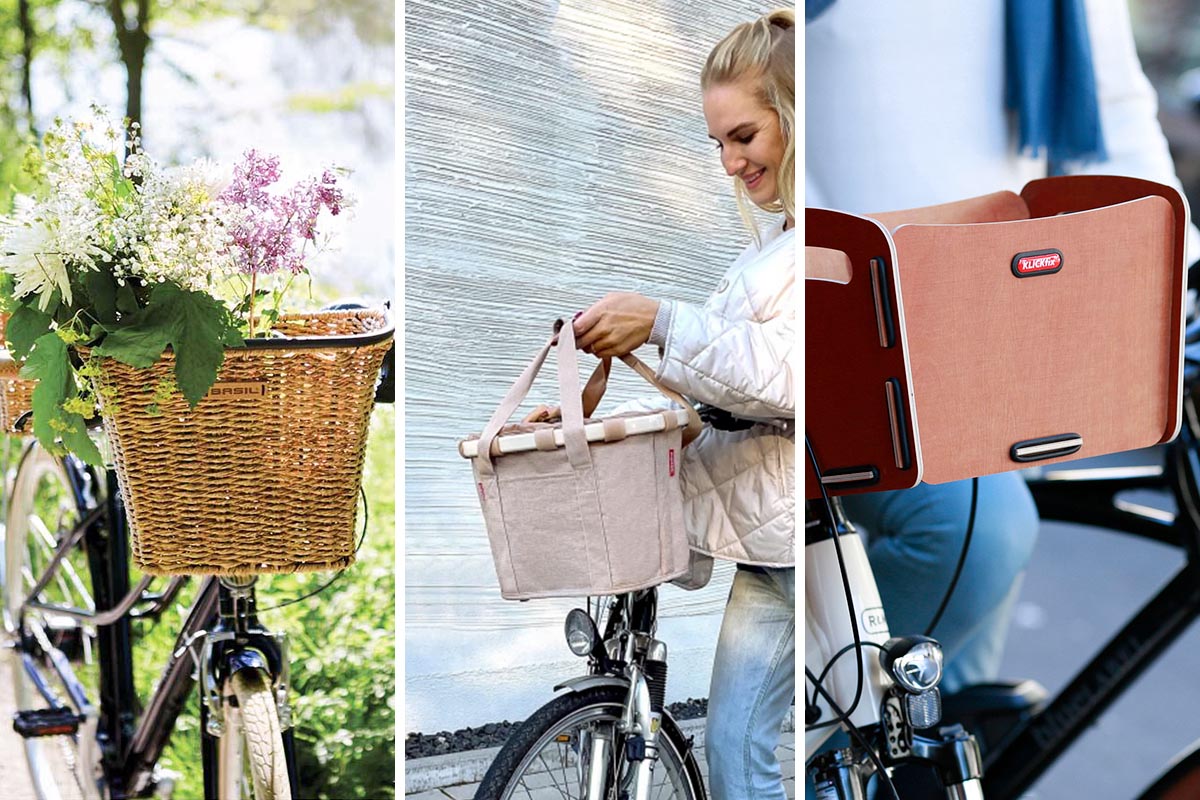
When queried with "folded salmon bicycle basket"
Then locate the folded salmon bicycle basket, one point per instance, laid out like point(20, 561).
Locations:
point(585, 507)
point(993, 334)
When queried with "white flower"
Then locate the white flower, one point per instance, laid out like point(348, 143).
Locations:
point(30, 258)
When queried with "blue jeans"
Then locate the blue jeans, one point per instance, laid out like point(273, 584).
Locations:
point(753, 683)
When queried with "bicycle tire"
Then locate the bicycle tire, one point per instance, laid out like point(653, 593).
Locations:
point(1181, 781)
point(558, 718)
point(252, 746)
point(41, 507)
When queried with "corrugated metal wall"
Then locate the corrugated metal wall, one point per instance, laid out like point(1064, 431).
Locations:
point(554, 151)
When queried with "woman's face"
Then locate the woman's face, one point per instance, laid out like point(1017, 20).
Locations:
point(748, 136)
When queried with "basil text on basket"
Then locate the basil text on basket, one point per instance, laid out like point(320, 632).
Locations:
point(138, 289)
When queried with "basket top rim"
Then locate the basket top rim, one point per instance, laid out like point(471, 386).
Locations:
point(386, 331)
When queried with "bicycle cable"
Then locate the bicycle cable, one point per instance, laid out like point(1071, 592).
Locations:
point(857, 734)
point(362, 493)
point(962, 559)
point(837, 546)
point(825, 671)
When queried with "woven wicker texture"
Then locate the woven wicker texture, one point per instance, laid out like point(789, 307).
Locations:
point(16, 398)
point(16, 395)
point(263, 475)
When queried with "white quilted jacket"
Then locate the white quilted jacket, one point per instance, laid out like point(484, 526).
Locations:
point(737, 353)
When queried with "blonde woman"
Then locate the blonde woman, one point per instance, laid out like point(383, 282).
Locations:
point(735, 353)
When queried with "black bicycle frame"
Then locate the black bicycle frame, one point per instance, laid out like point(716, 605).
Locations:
point(1090, 497)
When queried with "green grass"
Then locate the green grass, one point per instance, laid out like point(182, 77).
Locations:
point(342, 657)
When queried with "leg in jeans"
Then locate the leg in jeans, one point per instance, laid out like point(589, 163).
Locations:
point(916, 536)
point(753, 683)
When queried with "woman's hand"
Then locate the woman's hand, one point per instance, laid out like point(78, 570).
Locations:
point(617, 324)
point(544, 413)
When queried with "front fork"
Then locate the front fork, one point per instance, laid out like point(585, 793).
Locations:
point(228, 649)
point(240, 642)
point(638, 727)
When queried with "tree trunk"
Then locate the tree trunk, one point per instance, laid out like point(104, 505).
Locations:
point(27, 36)
point(133, 40)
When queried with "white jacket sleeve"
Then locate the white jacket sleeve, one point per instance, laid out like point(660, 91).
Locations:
point(742, 366)
point(1128, 107)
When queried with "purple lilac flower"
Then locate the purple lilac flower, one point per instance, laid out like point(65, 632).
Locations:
point(270, 231)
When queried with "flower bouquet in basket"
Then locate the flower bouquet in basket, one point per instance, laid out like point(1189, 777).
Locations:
point(154, 294)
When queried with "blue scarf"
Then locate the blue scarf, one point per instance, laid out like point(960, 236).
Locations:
point(1049, 79)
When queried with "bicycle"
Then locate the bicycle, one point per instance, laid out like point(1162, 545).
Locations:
point(1021, 732)
point(609, 735)
point(70, 617)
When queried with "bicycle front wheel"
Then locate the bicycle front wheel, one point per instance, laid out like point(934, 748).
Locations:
point(251, 760)
point(553, 751)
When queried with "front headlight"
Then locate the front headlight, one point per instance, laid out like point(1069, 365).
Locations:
point(914, 662)
point(581, 632)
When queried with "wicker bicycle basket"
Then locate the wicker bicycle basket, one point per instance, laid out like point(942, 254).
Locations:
point(16, 394)
point(263, 475)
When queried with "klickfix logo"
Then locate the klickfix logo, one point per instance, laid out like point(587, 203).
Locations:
point(1042, 262)
point(671, 461)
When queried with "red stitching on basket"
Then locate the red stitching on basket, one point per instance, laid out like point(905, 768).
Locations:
point(482, 496)
point(671, 461)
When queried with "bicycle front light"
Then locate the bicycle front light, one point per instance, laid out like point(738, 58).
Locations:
point(581, 632)
point(914, 662)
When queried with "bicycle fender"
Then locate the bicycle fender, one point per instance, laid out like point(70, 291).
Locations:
point(585, 682)
point(238, 660)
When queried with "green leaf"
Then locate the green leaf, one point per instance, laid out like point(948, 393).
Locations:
point(127, 302)
point(25, 327)
point(233, 337)
point(101, 287)
point(48, 364)
point(8, 301)
point(196, 327)
point(140, 342)
point(77, 439)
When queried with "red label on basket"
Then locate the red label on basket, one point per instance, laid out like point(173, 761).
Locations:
point(482, 496)
point(1037, 263)
point(238, 390)
point(671, 461)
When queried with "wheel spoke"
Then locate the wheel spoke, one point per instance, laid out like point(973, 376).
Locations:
point(83, 596)
point(550, 772)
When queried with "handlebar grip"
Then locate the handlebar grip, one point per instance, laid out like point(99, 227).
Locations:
point(385, 390)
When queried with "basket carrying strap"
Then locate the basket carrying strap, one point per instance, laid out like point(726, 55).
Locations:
point(575, 440)
point(694, 425)
point(588, 399)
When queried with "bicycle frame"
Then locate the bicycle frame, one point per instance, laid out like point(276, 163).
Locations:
point(223, 615)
